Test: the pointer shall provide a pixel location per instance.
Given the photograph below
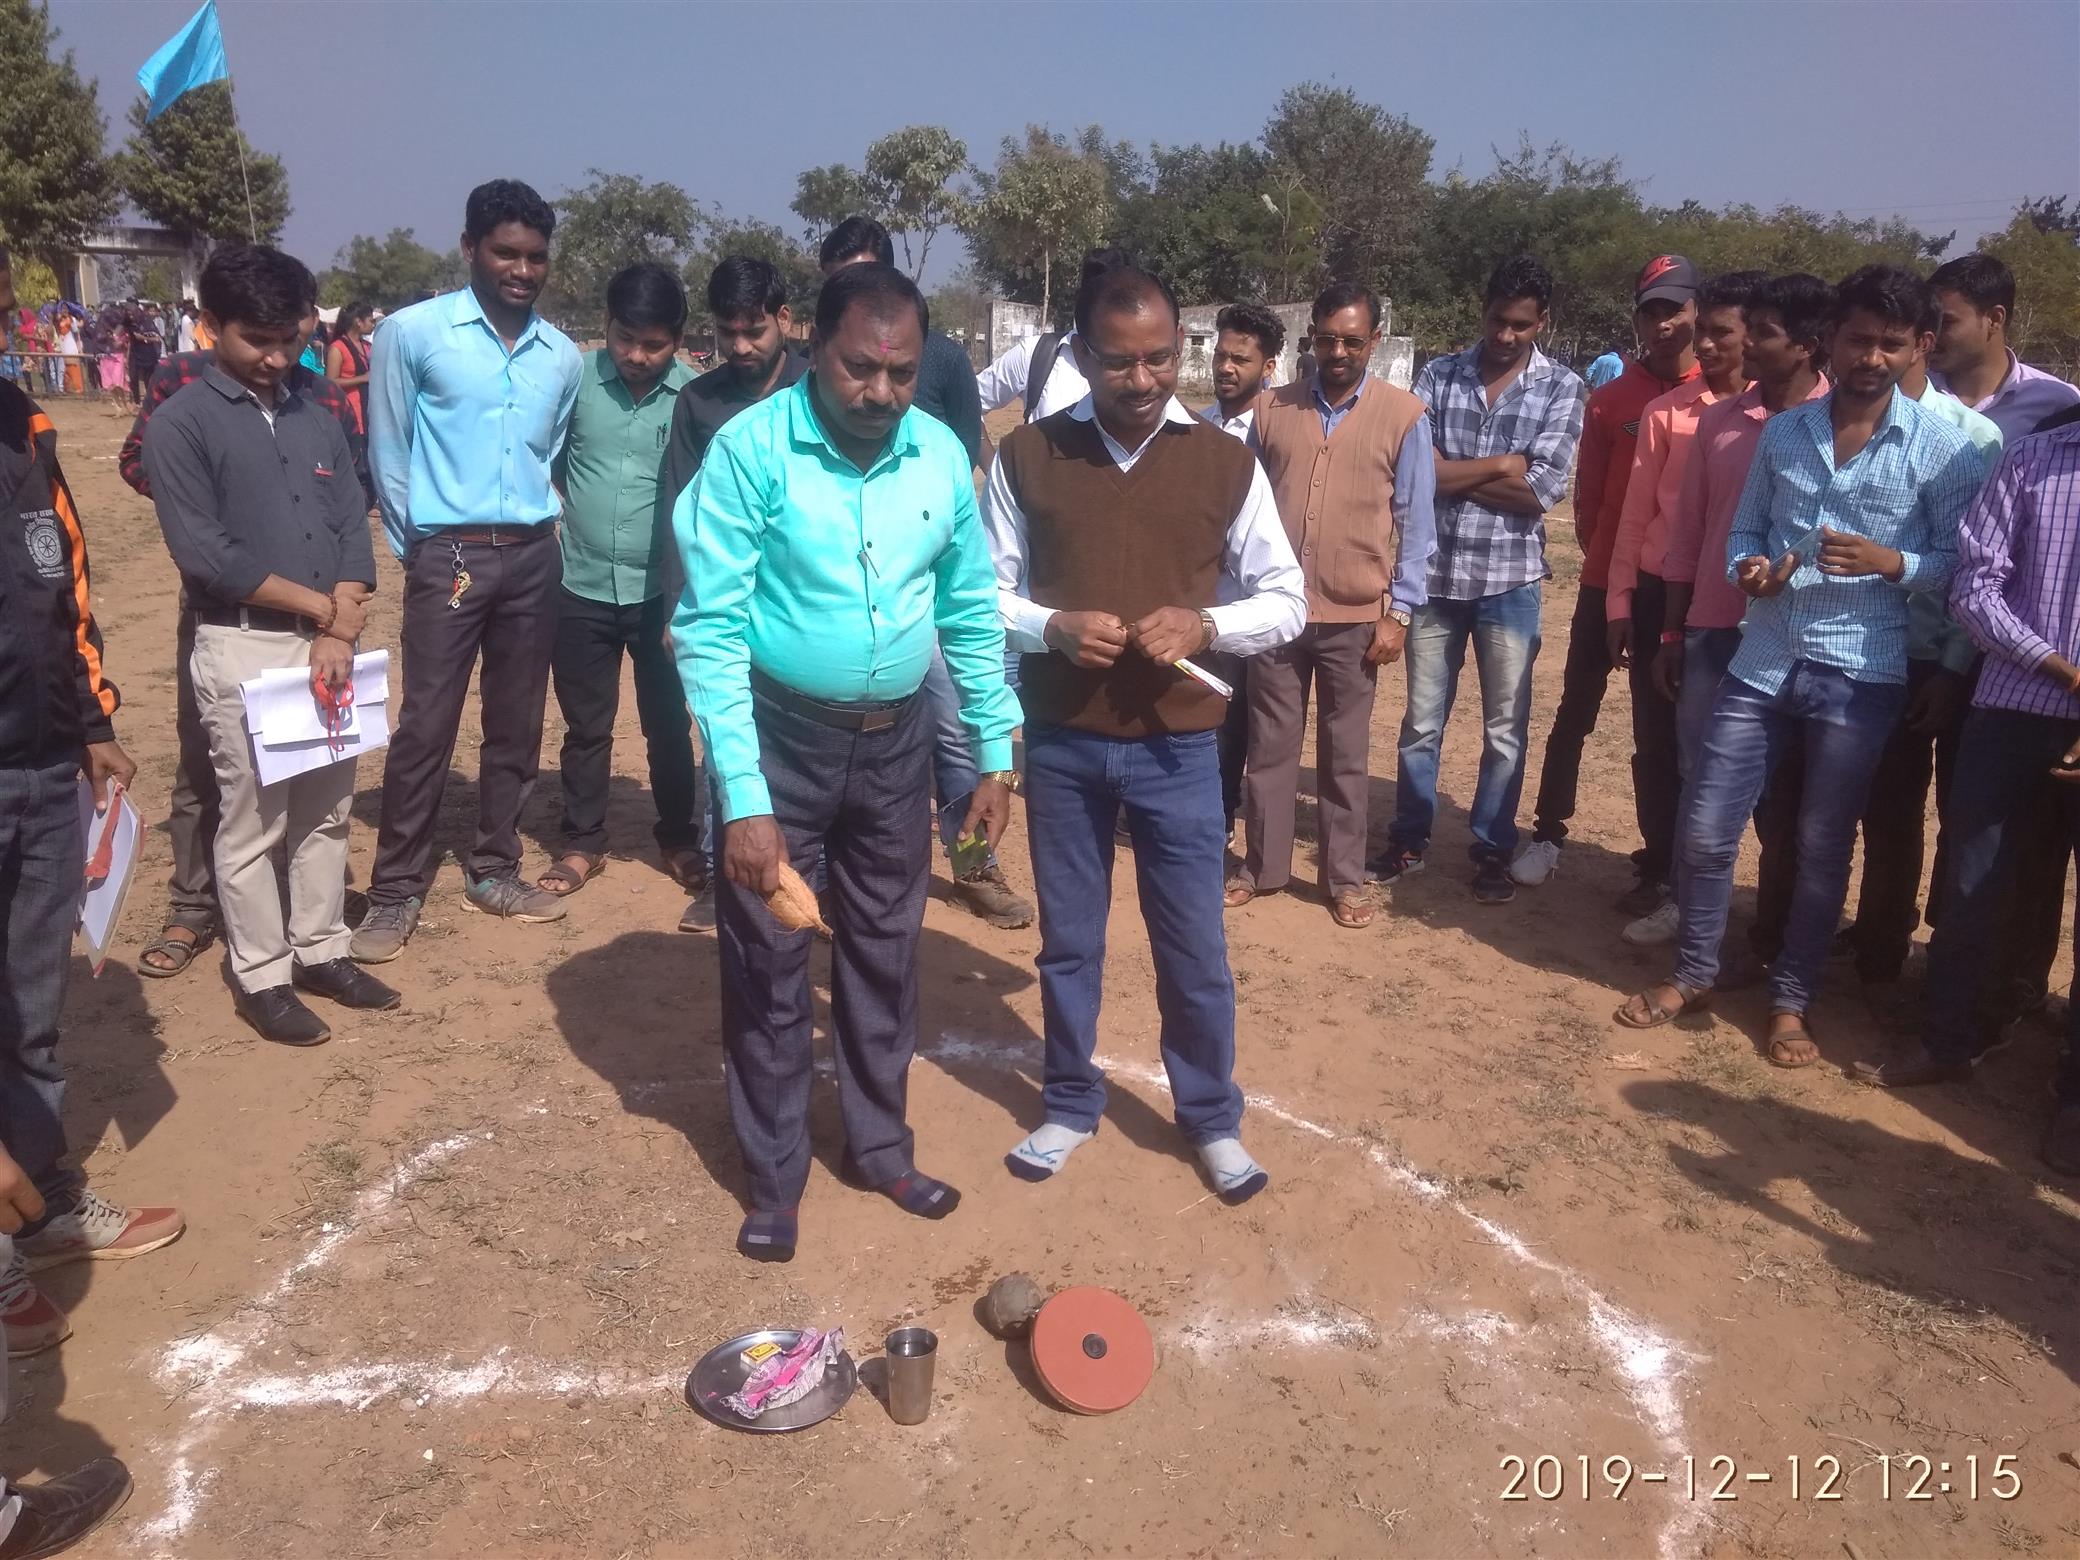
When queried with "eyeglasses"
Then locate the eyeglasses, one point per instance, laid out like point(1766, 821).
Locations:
point(1119, 364)
point(1350, 344)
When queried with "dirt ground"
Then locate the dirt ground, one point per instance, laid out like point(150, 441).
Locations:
point(444, 1277)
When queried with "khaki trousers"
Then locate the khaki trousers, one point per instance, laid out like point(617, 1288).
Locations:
point(1331, 658)
point(305, 815)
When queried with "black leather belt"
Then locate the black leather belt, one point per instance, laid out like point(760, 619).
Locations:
point(218, 615)
point(491, 535)
point(877, 715)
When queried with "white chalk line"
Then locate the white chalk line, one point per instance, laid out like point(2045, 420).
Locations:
point(205, 1367)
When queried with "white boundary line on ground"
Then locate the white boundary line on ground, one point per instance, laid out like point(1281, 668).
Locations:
point(205, 1368)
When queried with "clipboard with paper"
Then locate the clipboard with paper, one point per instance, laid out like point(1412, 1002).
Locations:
point(112, 839)
point(292, 733)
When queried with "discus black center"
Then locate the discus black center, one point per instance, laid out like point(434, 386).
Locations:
point(1094, 1346)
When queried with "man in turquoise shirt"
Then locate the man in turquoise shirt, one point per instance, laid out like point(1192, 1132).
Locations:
point(470, 395)
point(617, 527)
point(831, 541)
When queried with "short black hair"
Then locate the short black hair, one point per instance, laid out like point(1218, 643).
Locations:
point(1520, 276)
point(1253, 319)
point(1121, 288)
point(1731, 290)
point(880, 288)
point(1802, 303)
point(1096, 262)
point(857, 236)
point(647, 294)
point(1338, 296)
point(255, 285)
point(1893, 293)
point(745, 285)
point(499, 201)
point(1984, 281)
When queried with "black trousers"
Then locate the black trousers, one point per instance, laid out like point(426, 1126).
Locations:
point(508, 615)
point(1234, 731)
point(1888, 907)
point(1657, 781)
point(863, 802)
point(590, 638)
point(1582, 685)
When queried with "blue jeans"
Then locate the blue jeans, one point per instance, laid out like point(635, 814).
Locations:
point(1505, 634)
point(1170, 788)
point(1707, 652)
point(1845, 725)
point(2004, 771)
point(953, 752)
point(41, 848)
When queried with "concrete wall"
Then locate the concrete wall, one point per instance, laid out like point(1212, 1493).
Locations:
point(1010, 323)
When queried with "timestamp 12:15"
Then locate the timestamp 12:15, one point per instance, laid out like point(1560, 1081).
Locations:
point(1722, 1478)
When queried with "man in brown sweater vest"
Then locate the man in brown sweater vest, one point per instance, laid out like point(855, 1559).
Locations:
point(1350, 464)
point(1129, 536)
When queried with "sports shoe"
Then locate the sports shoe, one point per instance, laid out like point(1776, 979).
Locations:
point(99, 1230)
point(1644, 897)
point(512, 900)
point(987, 895)
point(33, 1324)
point(57, 1514)
point(384, 931)
point(1536, 862)
point(1657, 930)
point(1492, 884)
point(1397, 863)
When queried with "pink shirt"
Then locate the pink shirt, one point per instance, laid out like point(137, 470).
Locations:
point(1723, 449)
point(1666, 429)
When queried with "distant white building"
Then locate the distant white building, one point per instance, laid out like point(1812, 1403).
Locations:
point(79, 277)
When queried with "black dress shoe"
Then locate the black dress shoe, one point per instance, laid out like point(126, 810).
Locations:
point(279, 1014)
point(2061, 1148)
point(1912, 1069)
point(57, 1515)
point(346, 983)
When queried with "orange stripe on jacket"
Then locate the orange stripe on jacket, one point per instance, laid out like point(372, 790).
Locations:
point(82, 628)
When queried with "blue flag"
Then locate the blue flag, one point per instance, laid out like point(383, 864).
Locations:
point(191, 58)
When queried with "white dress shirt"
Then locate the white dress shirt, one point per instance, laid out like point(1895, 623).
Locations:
point(1239, 425)
point(1262, 595)
point(1004, 381)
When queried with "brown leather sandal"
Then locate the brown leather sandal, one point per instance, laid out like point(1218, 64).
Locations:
point(1653, 1015)
point(1354, 912)
point(1238, 892)
point(563, 881)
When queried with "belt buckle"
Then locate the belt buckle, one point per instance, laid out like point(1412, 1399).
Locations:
point(878, 720)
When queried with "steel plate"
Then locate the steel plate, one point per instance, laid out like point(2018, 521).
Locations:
point(721, 1371)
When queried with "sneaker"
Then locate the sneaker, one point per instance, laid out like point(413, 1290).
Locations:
point(1537, 862)
point(384, 931)
point(512, 900)
point(99, 1230)
point(988, 896)
point(1492, 884)
point(1657, 930)
point(1644, 897)
point(1399, 862)
point(33, 1324)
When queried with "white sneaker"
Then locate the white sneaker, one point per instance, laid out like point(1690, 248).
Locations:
point(1656, 930)
point(1536, 862)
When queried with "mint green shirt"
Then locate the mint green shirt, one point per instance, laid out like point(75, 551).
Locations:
point(832, 581)
point(617, 517)
point(1932, 633)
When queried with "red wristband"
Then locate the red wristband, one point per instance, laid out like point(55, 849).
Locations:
point(1671, 636)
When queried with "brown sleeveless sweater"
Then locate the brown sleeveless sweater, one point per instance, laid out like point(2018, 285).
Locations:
point(1099, 539)
point(1336, 494)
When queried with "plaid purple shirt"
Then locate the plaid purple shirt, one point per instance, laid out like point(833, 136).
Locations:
point(176, 373)
point(2017, 587)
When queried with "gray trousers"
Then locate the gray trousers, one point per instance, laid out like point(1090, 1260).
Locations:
point(864, 800)
point(509, 615)
point(191, 823)
point(42, 851)
point(1331, 657)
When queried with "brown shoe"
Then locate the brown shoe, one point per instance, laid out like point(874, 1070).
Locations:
point(986, 894)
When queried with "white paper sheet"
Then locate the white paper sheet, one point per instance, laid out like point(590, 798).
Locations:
point(285, 743)
point(101, 907)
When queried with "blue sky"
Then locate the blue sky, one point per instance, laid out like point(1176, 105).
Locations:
point(1873, 108)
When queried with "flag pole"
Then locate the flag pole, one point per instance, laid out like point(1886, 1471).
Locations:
point(238, 140)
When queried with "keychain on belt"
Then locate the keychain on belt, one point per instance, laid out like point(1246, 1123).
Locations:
point(462, 580)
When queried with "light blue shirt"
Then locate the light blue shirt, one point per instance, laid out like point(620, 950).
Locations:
point(1603, 370)
point(831, 581)
point(1932, 633)
point(1906, 489)
point(461, 431)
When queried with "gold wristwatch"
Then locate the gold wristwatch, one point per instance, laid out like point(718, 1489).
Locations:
point(1008, 777)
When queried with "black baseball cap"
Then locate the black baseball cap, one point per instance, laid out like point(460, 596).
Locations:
point(1665, 276)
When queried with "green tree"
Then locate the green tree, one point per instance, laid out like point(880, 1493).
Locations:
point(1223, 223)
point(2044, 253)
point(826, 196)
point(182, 170)
point(911, 174)
point(389, 272)
point(1046, 199)
point(55, 184)
point(614, 221)
point(1364, 171)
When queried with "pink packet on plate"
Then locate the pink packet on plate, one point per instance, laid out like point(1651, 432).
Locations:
point(789, 1376)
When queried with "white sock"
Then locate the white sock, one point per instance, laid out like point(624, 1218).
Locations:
point(1046, 1151)
point(1236, 1176)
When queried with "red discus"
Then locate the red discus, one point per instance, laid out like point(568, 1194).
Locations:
point(1092, 1350)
